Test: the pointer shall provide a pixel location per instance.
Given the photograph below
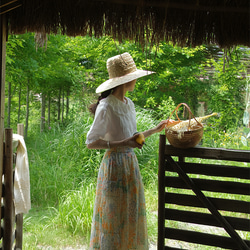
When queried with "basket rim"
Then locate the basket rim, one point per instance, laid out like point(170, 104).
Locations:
point(169, 131)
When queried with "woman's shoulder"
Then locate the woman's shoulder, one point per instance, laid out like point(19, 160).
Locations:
point(102, 107)
point(117, 106)
point(129, 101)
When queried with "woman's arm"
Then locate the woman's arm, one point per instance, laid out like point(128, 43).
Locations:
point(156, 129)
point(102, 144)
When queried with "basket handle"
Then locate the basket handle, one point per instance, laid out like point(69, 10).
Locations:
point(190, 113)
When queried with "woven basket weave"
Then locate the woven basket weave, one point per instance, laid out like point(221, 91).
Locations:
point(185, 139)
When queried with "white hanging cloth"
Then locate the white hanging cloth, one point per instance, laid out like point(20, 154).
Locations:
point(22, 178)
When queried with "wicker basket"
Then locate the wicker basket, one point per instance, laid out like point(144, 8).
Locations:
point(185, 139)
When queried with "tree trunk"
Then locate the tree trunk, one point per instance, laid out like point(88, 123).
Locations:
point(42, 124)
point(59, 105)
point(224, 59)
point(19, 103)
point(49, 102)
point(62, 104)
point(9, 104)
point(67, 102)
point(27, 111)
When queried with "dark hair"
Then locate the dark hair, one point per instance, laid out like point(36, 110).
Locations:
point(92, 107)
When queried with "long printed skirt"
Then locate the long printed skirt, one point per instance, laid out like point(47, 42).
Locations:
point(119, 219)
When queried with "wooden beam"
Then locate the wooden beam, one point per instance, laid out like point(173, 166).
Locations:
point(11, 5)
point(180, 6)
point(3, 37)
point(210, 153)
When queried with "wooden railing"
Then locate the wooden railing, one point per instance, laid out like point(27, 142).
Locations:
point(192, 211)
point(11, 225)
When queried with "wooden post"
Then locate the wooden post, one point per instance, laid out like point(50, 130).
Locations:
point(161, 193)
point(20, 129)
point(8, 194)
point(19, 217)
point(3, 37)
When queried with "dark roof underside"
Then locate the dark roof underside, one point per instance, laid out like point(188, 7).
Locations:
point(184, 22)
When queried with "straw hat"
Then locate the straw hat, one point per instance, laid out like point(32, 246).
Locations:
point(121, 69)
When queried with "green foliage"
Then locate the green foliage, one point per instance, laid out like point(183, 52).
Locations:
point(177, 69)
point(234, 139)
point(75, 209)
point(146, 157)
point(63, 171)
point(39, 232)
point(227, 92)
point(77, 65)
point(165, 109)
point(67, 158)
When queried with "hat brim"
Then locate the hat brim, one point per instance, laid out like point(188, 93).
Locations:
point(114, 82)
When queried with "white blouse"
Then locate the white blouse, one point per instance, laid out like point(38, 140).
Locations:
point(114, 120)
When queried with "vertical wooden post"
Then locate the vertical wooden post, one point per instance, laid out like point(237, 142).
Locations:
point(19, 217)
point(161, 194)
point(3, 38)
point(20, 129)
point(8, 194)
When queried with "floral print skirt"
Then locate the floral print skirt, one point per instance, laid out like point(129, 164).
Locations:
point(119, 219)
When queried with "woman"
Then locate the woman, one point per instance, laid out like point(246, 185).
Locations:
point(119, 219)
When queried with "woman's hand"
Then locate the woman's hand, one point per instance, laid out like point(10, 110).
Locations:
point(131, 142)
point(158, 128)
point(163, 124)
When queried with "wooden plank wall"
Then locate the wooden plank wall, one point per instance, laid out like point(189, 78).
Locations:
point(184, 218)
point(3, 37)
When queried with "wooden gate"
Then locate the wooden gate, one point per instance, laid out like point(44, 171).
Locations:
point(203, 203)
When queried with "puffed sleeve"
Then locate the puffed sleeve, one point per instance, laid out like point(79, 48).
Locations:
point(98, 129)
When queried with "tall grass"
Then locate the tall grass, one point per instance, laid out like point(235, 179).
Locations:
point(75, 209)
point(59, 161)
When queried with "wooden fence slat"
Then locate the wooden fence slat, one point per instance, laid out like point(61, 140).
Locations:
point(202, 238)
point(8, 197)
point(220, 204)
point(228, 187)
point(212, 170)
point(19, 217)
point(209, 153)
point(229, 229)
point(2, 211)
point(19, 231)
point(173, 248)
point(176, 176)
point(161, 192)
point(205, 219)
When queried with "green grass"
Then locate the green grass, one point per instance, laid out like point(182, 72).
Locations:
point(40, 232)
point(63, 176)
point(75, 209)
